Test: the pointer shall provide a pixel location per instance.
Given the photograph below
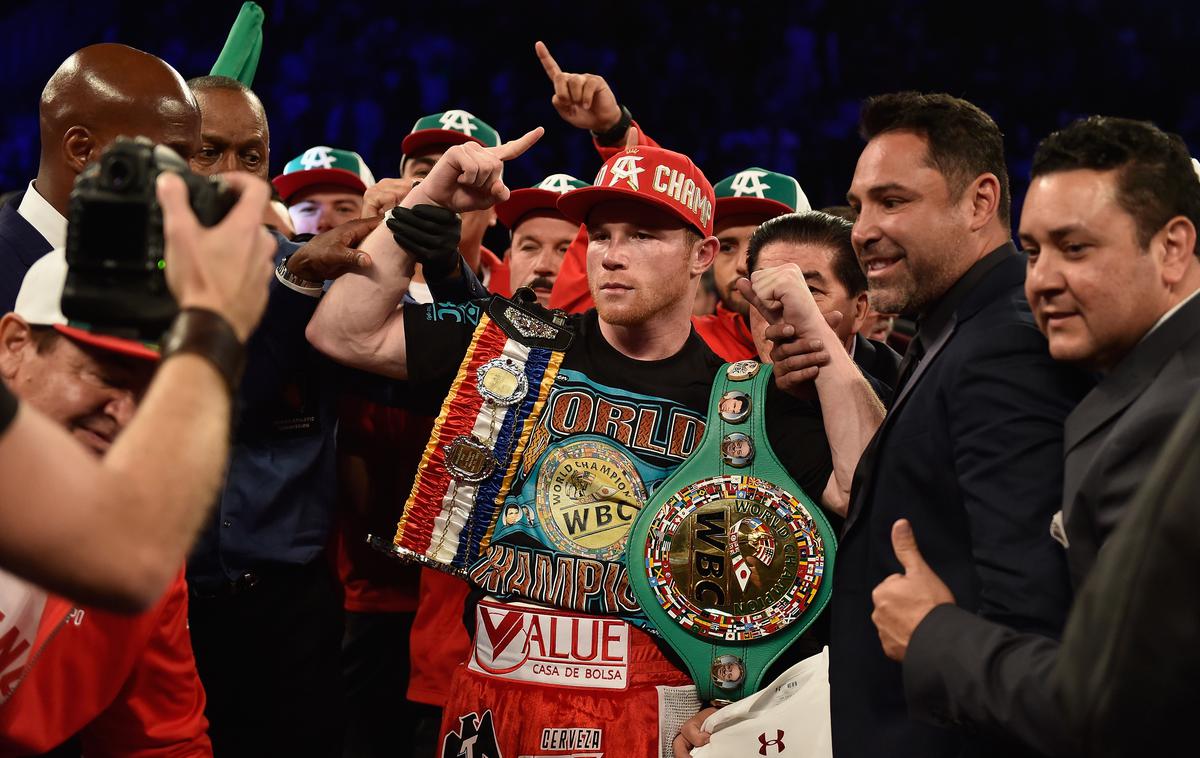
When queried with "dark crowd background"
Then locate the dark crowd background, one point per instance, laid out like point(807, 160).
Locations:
point(732, 84)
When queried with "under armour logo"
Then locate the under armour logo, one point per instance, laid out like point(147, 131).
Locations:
point(459, 121)
point(749, 183)
point(560, 183)
point(776, 743)
point(626, 167)
point(475, 738)
point(317, 157)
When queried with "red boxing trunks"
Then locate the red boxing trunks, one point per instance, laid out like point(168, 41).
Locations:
point(549, 683)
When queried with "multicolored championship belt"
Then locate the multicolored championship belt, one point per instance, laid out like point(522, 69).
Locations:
point(491, 410)
point(731, 560)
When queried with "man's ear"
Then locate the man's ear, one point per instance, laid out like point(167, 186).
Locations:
point(704, 254)
point(16, 340)
point(79, 146)
point(984, 196)
point(862, 306)
point(1177, 247)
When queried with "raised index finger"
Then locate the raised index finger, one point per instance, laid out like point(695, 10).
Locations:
point(514, 148)
point(548, 62)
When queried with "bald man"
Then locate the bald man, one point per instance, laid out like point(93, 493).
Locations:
point(98, 94)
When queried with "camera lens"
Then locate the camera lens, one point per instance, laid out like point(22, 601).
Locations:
point(119, 173)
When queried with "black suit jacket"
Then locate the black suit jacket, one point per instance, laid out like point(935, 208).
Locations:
point(1129, 664)
point(971, 454)
point(20, 247)
point(996, 678)
point(877, 360)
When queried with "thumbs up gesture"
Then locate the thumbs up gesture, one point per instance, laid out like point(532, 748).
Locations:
point(903, 600)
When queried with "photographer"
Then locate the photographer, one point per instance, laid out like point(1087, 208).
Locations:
point(114, 531)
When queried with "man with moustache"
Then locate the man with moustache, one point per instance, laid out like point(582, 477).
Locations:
point(1109, 228)
point(541, 234)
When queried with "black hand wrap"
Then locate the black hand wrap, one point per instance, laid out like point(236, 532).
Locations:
point(207, 334)
point(430, 234)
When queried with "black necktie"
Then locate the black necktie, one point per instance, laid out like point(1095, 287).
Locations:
point(912, 359)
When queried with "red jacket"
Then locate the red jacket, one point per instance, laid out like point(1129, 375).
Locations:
point(126, 684)
point(726, 334)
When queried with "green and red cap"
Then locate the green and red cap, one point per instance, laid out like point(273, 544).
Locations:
point(448, 128)
point(756, 191)
point(324, 165)
point(542, 196)
point(653, 175)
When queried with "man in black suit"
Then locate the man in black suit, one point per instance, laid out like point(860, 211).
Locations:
point(1109, 227)
point(819, 244)
point(971, 449)
point(99, 93)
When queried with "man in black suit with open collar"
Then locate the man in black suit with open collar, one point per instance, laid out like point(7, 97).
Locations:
point(1109, 227)
point(971, 451)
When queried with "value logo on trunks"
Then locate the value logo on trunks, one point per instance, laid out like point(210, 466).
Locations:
point(588, 494)
point(548, 648)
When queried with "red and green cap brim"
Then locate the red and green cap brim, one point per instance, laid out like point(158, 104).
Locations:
point(762, 207)
point(430, 133)
point(78, 332)
point(429, 140)
point(289, 184)
point(522, 202)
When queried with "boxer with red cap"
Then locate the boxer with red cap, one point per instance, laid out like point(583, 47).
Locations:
point(561, 658)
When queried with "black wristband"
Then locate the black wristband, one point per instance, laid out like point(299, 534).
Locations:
point(615, 136)
point(430, 234)
point(205, 333)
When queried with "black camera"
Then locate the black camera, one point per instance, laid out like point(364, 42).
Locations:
point(116, 281)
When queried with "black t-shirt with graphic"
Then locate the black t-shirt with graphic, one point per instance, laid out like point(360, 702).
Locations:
point(614, 428)
point(8, 408)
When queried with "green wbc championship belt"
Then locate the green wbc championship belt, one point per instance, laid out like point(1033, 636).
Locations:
point(731, 560)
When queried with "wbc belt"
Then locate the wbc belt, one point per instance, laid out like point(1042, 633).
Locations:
point(492, 408)
point(730, 559)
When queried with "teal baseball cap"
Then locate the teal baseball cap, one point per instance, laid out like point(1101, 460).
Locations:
point(324, 165)
point(542, 196)
point(757, 191)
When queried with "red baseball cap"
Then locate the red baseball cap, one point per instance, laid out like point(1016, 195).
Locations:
point(541, 197)
point(662, 178)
